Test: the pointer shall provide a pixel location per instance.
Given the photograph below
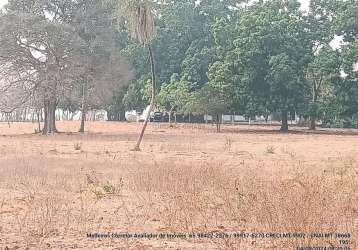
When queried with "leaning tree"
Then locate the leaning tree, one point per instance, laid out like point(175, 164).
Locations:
point(139, 16)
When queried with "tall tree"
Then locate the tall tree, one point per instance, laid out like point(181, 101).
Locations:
point(346, 25)
point(48, 49)
point(61, 47)
point(269, 54)
point(139, 15)
point(173, 96)
point(105, 72)
point(321, 74)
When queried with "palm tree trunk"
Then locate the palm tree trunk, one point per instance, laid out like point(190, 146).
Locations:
point(152, 102)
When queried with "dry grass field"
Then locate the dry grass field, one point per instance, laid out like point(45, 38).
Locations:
point(54, 190)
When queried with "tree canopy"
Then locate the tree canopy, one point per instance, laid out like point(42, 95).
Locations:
point(210, 57)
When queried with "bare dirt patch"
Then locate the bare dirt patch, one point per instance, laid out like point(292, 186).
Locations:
point(56, 189)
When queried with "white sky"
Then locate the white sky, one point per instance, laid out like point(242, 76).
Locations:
point(2, 2)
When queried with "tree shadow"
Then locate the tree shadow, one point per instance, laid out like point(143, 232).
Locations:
point(294, 131)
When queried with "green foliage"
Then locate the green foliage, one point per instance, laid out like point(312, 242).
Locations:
point(264, 58)
point(214, 57)
point(173, 96)
point(134, 98)
point(208, 100)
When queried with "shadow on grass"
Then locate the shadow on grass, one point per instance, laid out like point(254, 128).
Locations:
point(293, 131)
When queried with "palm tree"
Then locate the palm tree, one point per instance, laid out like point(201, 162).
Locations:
point(140, 20)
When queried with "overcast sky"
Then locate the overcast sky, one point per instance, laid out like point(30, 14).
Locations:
point(2, 2)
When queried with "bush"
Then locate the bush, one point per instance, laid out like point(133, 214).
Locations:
point(348, 122)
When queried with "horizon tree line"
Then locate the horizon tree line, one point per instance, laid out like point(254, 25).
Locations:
point(188, 57)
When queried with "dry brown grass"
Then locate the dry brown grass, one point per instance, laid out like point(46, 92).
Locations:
point(56, 189)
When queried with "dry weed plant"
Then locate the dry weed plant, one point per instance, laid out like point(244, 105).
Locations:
point(228, 144)
point(45, 200)
point(182, 197)
point(77, 146)
point(270, 149)
point(205, 198)
point(288, 151)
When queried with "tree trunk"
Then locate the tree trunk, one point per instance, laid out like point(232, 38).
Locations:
point(266, 118)
point(53, 117)
point(313, 123)
point(170, 116)
point(152, 102)
point(33, 116)
point(38, 121)
point(314, 113)
point(41, 116)
point(170, 119)
point(218, 123)
point(45, 128)
point(50, 117)
point(83, 119)
point(83, 109)
point(8, 119)
point(122, 115)
point(284, 118)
